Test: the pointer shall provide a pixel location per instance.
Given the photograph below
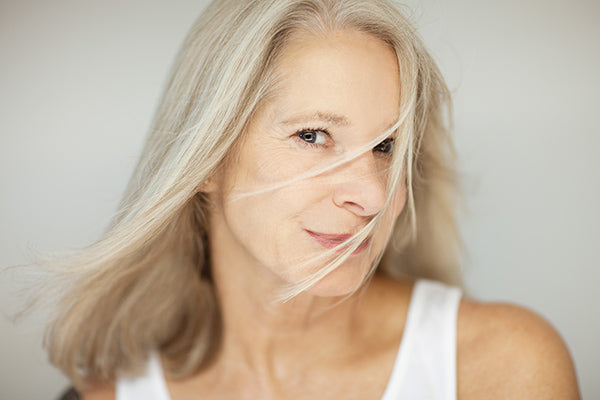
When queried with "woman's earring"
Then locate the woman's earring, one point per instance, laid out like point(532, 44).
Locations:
point(207, 186)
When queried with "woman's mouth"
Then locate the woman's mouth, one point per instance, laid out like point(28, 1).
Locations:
point(330, 241)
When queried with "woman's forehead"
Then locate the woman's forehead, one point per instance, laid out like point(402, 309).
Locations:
point(343, 79)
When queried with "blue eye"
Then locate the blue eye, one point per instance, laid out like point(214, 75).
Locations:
point(385, 147)
point(312, 136)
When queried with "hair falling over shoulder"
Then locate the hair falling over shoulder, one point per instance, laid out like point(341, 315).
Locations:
point(146, 283)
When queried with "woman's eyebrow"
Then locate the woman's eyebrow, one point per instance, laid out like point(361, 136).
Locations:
point(330, 118)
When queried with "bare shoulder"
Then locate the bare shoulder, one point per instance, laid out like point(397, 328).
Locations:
point(507, 351)
point(98, 393)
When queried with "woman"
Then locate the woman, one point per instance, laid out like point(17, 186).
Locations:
point(297, 181)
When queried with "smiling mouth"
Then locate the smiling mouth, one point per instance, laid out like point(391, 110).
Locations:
point(330, 241)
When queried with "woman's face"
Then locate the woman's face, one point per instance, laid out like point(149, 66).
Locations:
point(335, 94)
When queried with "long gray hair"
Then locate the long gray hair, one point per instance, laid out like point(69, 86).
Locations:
point(146, 283)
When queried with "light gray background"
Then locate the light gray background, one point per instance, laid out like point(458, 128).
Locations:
point(79, 82)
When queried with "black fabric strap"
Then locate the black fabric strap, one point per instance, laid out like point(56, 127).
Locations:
point(70, 394)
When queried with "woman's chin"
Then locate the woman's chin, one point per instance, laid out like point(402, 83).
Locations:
point(340, 282)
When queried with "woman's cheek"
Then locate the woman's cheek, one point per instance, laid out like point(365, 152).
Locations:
point(283, 165)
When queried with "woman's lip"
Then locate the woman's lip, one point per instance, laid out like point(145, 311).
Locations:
point(330, 241)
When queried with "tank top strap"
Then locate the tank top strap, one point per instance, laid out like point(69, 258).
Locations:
point(149, 385)
point(425, 367)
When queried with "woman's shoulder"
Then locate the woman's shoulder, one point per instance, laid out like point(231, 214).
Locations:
point(511, 352)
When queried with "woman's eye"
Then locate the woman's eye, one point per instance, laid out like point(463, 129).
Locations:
point(312, 136)
point(385, 147)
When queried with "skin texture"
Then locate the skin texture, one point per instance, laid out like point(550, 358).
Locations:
point(295, 350)
point(352, 93)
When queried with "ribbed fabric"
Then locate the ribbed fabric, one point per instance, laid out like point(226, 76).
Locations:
point(425, 367)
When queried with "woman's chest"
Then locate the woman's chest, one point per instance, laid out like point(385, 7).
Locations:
point(365, 378)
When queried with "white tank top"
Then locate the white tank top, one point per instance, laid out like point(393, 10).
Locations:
point(425, 367)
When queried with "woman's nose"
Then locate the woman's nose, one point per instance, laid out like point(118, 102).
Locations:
point(361, 188)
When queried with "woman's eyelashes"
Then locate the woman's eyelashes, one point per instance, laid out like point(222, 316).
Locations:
point(385, 147)
point(313, 137)
point(321, 138)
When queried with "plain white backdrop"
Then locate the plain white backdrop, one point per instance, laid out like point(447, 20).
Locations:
point(79, 82)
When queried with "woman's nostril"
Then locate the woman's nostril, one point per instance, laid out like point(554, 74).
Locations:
point(362, 195)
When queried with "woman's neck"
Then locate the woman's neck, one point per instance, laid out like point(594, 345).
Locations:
point(268, 343)
point(266, 334)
